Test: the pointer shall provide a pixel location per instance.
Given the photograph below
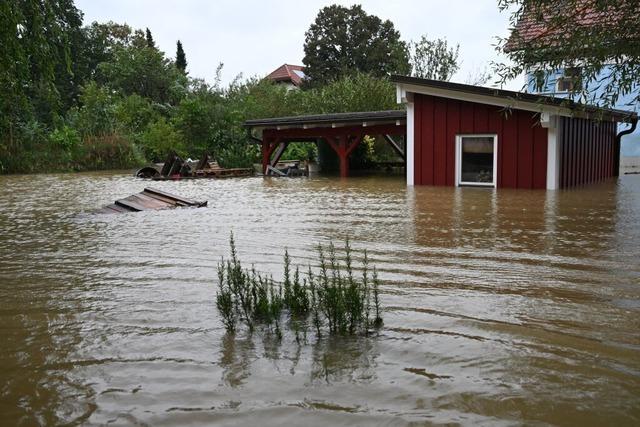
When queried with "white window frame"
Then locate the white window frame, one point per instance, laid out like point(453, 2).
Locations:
point(459, 182)
point(572, 78)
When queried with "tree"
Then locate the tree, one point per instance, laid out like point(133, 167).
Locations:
point(343, 41)
point(143, 71)
point(603, 44)
point(479, 76)
point(181, 58)
point(149, 38)
point(434, 59)
point(100, 42)
point(39, 42)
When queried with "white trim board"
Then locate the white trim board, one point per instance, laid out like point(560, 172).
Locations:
point(410, 145)
point(554, 130)
point(404, 92)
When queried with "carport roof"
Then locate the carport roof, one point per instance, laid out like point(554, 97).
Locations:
point(323, 120)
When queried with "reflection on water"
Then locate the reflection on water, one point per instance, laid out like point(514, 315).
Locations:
point(502, 307)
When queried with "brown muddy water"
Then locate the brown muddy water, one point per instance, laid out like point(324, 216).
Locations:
point(501, 307)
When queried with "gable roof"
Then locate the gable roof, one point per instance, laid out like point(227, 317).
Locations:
point(510, 99)
point(288, 73)
point(540, 26)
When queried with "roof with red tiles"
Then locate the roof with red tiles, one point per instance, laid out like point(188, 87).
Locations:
point(537, 27)
point(288, 73)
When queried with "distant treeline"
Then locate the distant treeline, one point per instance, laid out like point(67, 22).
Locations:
point(102, 96)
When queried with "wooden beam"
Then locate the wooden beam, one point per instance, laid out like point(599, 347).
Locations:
point(396, 147)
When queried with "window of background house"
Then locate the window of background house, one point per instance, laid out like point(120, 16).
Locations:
point(570, 81)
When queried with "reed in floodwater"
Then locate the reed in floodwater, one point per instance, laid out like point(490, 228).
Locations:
point(333, 300)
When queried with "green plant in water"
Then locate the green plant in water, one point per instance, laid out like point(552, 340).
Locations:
point(333, 298)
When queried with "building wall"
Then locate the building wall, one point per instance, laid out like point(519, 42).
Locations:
point(522, 142)
point(630, 143)
point(587, 151)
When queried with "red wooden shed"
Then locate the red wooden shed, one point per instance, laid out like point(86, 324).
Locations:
point(462, 135)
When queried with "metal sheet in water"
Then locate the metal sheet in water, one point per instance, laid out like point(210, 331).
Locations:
point(501, 308)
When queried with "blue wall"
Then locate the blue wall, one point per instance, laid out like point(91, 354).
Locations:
point(630, 143)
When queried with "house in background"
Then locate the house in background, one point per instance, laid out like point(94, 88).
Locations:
point(288, 75)
point(562, 83)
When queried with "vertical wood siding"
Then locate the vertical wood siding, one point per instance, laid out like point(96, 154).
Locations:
point(588, 151)
point(522, 142)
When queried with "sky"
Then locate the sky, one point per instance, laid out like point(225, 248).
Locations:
point(253, 37)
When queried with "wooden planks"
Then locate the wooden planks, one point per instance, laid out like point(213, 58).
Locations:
point(149, 199)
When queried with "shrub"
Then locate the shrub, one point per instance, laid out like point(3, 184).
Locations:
point(334, 298)
point(159, 139)
point(111, 151)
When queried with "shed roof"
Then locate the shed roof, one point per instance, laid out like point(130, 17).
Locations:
point(512, 99)
point(368, 117)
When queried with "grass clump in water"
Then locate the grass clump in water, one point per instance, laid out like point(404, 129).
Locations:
point(332, 300)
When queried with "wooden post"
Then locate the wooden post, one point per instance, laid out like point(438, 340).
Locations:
point(265, 155)
point(343, 149)
point(268, 145)
point(344, 157)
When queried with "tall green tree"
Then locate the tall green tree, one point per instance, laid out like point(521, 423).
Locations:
point(181, 58)
point(40, 41)
point(434, 59)
point(600, 38)
point(343, 41)
point(149, 38)
point(145, 72)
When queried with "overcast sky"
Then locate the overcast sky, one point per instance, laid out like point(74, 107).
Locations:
point(253, 37)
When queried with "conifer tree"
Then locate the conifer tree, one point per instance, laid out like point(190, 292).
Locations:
point(150, 42)
point(181, 58)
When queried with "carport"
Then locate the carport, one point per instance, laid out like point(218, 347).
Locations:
point(343, 132)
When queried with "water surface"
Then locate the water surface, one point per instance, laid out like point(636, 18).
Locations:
point(501, 307)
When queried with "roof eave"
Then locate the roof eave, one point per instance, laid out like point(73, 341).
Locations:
point(506, 99)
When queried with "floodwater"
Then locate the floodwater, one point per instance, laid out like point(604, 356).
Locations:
point(501, 307)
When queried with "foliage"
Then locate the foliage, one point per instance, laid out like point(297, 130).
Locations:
point(109, 151)
point(434, 59)
point(234, 152)
point(39, 41)
point(159, 139)
point(300, 151)
point(333, 299)
point(146, 72)
point(70, 96)
point(359, 92)
point(197, 118)
point(65, 141)
point(342, 41)
point(97, 114)
point(603, 44)
point(134, 113)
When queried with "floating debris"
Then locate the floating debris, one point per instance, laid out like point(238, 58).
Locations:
point(175, 168)
point(149, 199)
point(290, 168)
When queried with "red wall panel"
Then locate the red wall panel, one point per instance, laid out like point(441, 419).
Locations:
point(453, 124)
point(440, 143)
point(525, 151)
point(522, 142)
point(540, 148)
